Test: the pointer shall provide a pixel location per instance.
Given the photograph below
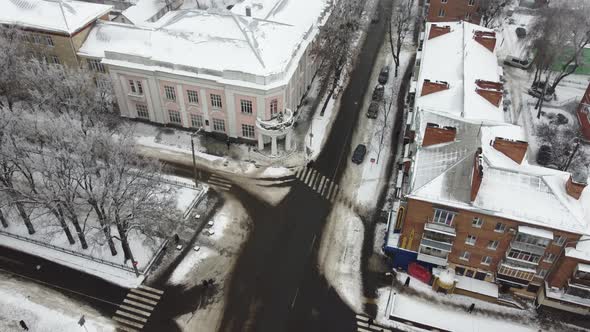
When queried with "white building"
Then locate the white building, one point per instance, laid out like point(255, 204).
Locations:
point(231, 72)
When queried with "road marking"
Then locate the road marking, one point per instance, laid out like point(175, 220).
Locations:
point(320, 184)
point(137, 311)
point(139, 305)
point(125, 328)
point(307, 174)
point(312, 242)
point(360, 329)
point(153, 296)
point(128, 322)
point(294, 298)
point(363, 318)
point(153, 290)
point(313, 175)
point(126, 314)
point(325, 188)
point(299, 171)
point(133, 296)
point(14, 261)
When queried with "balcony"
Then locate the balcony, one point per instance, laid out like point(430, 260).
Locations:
point(531, 248)
point(440, 228)
point(436, 244)
point(433, 256)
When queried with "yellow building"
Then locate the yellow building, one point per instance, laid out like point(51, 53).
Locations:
point(54, 30)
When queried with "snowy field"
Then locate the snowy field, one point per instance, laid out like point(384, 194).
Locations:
point(44, 309)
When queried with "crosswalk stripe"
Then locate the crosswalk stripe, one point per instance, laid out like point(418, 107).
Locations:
point(139, 298)
point(363, 318)
point(153, 290)
point(128, 322)
point(327, 188)
point(139, 305)
point(307, 175)
point(125, 328)
point(314, 173)
point(126, 314)
point(320, 183)
point(335, 191)
point(360, 329)
point(153, 296)
point(219, 184)
point(137, 311)
point(299, 171)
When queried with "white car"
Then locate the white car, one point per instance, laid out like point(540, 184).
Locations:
point(197, 248)
point(517, 62)
point(209, 232)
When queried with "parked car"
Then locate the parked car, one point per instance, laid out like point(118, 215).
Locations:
point(544, 156)
point(537, 94)
point(373, 110)
point(520, 32)
point(378, 92)
point(359, 154)
point(384, 75)
point(517, 62)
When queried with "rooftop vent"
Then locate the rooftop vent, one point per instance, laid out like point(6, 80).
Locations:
point(486, 38)
point(248, 11)
point(436, 30)
point(434, 134)
point(576, 183)
point(513, 149)
point(491, 91)
point(429, 87)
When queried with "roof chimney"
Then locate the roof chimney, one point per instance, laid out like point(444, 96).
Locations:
point(486, 38)
point(576, 183)
point(513, 149)
point(491, 91)
point(429, 87)
point(436, 31)
point(248, 11)
point(477, 174)
point(433, 134)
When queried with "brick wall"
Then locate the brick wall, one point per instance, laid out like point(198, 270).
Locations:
point(514, 150)
point(454, 10)
point(436, 135)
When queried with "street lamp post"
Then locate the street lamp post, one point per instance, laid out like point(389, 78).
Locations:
point(571, 157)
point(193, 135)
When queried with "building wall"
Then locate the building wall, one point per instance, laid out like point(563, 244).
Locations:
point(454, 10)
point(419, 212)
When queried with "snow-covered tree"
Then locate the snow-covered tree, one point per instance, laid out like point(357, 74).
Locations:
point(490, 10)
point(12, 60)
point(402, 19)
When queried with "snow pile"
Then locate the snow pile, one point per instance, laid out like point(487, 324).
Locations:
point(190, 264)
point(275, 172)
point(447, 276)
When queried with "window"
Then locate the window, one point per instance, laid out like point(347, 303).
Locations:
point(196, 121)
point(170, 92)
point(248, 131)
point(459, 270)
point(469, 273)
point(55, 60)
point(465, 255)
point(274, 107)
point(218, 125)
point(132, 87)
point(541, 273)
point(559, 240)
point(477, 222)
point(444, 1)
point(493, 245)
point(470, 240)
point(443, 217)
point(468, 17)
point(37, 39)
point(471, 3)
point(216, 101)
point(524, 256)
point(193, 96)
point(500, 227)
point(486, 260)
point(174, 117)
point(441, 12)
point(95, 65)
point(549, 258)
point(480, 275)
point(142, 111)
point(246, 106)
point(529, 239)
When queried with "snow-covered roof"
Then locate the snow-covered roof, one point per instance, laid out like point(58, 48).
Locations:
point(459, 60)
point(51, 15)
point(542, 233)
point(214, 41)
point(143, 10)
point(524, 192)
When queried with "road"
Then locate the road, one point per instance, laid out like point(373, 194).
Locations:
point(276, 285)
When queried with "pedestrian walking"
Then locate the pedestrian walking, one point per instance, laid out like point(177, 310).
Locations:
point(370, 321)
point(176, 238)
point(227, 143)
point(23, 325)
point(471, 307)
point(407, 283)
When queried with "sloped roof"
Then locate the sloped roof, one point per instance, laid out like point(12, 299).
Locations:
point(456, 58)
point(63, 16)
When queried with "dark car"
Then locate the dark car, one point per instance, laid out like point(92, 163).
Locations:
point(384, 75)
point(517, 62)
point(378, 92)
point(359, 154)
point(373, 110)
point(544, 156)
point(520, 32)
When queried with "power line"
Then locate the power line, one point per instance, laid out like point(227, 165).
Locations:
point(59, 287)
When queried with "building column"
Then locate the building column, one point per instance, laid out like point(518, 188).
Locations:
point(288, 140)
point(260, 142)
point(273, 146)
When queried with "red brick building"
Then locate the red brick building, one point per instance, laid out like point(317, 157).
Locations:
point(453, 10)
point(583, 113)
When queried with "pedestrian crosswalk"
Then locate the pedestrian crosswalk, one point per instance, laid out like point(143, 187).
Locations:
point(322, 185)
point(137, 307)
point(219, 182)
point(365, 323)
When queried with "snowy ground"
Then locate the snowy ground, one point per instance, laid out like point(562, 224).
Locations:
point(215, 259)
point(44, 309)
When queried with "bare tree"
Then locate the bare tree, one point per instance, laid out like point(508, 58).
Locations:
point(12, 60)
point(490, 10)
point(334, 47)
point(402, 20)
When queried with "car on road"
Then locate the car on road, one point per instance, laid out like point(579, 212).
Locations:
point(359, 154)
point(384, 75)
point(378, 92)
point(517, 62)
point(520, 32)
point(373, 110)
